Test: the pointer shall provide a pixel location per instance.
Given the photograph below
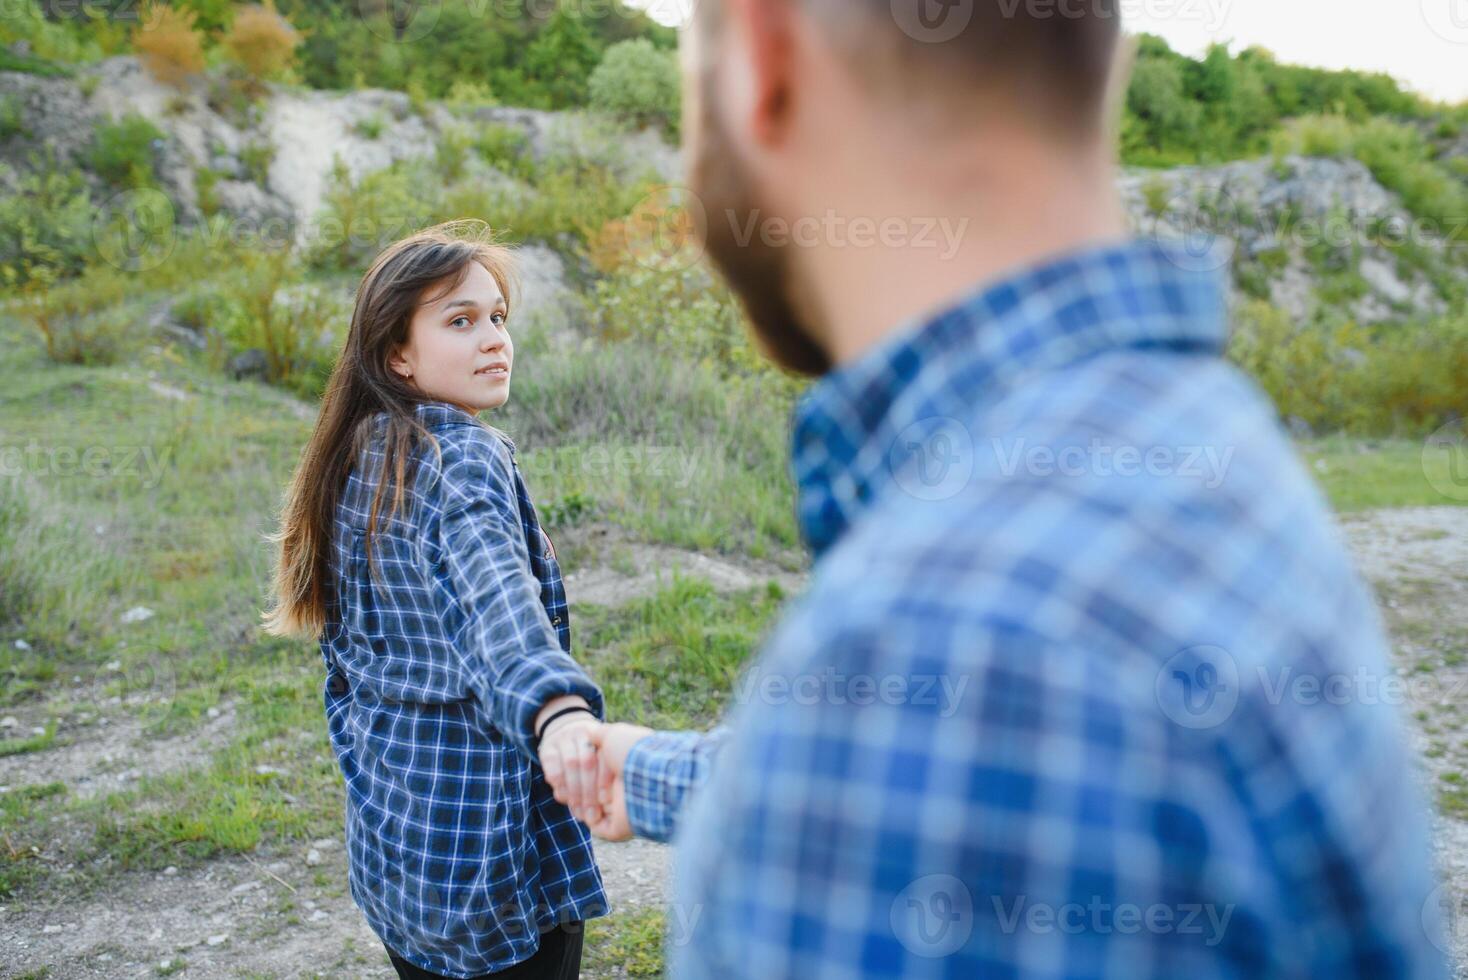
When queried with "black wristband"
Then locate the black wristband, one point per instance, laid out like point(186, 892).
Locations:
point(535, 742)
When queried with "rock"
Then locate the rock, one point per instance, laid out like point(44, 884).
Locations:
point(137, 614)
point(313, 857)
point(249, 364)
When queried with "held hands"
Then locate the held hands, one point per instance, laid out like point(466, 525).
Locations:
point(582, 759)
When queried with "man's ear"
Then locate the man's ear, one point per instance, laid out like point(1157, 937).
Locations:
point(765, 30)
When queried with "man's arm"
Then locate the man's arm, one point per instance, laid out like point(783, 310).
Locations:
point(646, 778)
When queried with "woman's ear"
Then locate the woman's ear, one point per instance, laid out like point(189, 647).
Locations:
point(399, 364)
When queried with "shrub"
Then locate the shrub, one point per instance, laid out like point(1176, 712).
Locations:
point(638, 82)
point(122, 152)
point(45, 227)
point(1397, 155)
point(256, 159)
point(261, 41)
point(82, 321)
point(169, 46)
point(1394, 379)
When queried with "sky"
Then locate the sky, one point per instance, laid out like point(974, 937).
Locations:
point(1424, 43)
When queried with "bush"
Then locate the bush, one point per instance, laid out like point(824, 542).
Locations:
point(45, 228)
point(83, 321)
point(261, 41)
point(122, 152)
point(169, 46)
point(1394, 379)
point(1396, 154)
point(638, 82)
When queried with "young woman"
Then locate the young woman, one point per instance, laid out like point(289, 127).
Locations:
point(410, 550)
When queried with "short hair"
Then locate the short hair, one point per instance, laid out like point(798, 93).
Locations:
point(1049, 59)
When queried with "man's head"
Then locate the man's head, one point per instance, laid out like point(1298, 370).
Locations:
point(788, 100)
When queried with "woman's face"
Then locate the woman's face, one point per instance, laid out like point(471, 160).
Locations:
point(458, 350)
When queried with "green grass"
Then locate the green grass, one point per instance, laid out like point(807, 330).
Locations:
point(34, 743)
point(1364, 474)
point(629, 941)
point(670, 660)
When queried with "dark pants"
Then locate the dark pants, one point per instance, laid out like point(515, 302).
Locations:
point(559, 958)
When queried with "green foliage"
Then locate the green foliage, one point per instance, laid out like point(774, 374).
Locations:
point(84, 320)
point(638, 82)
point(45, 227)
point(12, 121)
point(122, 152)
point(506, 148)
point(1186, 110)
point(1395, 379)
point(1397, 155)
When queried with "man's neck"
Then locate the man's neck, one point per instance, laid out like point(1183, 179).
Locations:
point(955, 231)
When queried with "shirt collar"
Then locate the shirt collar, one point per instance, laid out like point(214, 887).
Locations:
point(1132, 294)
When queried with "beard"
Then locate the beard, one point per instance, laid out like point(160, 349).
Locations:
point(758, 273)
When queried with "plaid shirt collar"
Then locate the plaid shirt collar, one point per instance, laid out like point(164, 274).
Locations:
point(849, 427)
point(431, 414)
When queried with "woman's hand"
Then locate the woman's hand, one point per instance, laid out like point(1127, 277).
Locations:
point(568, 757)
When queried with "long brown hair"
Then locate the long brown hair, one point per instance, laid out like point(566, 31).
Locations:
point(361, 386)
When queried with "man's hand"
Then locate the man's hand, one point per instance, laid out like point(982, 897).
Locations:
point(613, 742)
point(568, 758)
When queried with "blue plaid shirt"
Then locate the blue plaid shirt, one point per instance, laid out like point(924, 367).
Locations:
point(1081, 685)
point(459, 854)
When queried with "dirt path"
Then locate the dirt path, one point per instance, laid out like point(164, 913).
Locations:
point(289, 914)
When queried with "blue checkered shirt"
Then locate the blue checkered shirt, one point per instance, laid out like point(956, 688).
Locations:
point(1082, 682)
point(458, 852)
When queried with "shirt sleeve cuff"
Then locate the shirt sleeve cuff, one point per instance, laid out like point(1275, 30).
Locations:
point(660, 770)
